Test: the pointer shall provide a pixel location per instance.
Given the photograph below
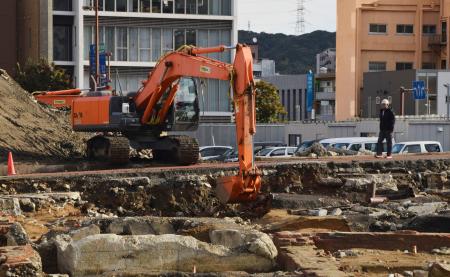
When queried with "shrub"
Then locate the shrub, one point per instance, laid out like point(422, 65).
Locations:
point(42, 76)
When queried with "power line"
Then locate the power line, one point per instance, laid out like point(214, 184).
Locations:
point(300, 21)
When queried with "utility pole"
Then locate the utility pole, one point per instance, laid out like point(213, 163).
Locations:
point(97, 41)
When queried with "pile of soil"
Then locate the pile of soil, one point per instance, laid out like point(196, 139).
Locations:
point(32, 131)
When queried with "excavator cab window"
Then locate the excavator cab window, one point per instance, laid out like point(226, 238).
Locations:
point(186, 106)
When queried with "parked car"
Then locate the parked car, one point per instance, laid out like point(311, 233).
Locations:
point(258, 146)
point(230, 155)
point(276, 152)
point(210, 152)
point(414, 147)
point(354, 143)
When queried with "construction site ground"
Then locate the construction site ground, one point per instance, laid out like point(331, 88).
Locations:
point(62, 215)
point(337, 216)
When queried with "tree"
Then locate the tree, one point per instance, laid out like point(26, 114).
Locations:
point(42, 76)
point(268, 104)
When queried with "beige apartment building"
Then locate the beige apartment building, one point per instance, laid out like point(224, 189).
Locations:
point(386, 35)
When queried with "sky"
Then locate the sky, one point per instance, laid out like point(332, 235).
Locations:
point(279, 16)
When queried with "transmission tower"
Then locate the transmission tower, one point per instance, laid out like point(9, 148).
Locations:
point(300, 22)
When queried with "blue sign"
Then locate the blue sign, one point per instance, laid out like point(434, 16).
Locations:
point(419, 90)
point(103, 80)
point(309, 91)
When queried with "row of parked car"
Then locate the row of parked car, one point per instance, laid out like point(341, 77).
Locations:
point(357, 144)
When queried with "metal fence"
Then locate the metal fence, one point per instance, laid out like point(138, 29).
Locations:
point(407, 129)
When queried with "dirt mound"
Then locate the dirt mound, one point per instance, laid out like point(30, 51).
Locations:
point(30, 130)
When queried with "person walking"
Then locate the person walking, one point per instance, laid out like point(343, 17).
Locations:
point(387, 124)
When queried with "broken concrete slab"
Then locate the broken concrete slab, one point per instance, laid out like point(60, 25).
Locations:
point(430, 223)
point(427, 208)
point(384, 241)
point(20, 261)
point(439, 270)
point(152, 254)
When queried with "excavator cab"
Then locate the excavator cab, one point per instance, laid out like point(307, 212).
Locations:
point(185, 113)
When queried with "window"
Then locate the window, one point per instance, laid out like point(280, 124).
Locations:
point(403, 66)
point(191, 37)
point(144, 45)
point(62, 43)
point(167, 40)
point(122, 43)
point(202, 6)
point(87, 41)
point(428, 66)
point(214, 7)
point(134, 45)
point(371, 147)
point(180, 6)
point(191, 6)
point(167, 6)
point(444, 32)
point(355, 147)
point(444, 64)
point(377, 66)
point(429, 29)
point(179, 38)
point(377, 28)
point(226, 7)
point(405, 29)
point(156, 6)
point(62, 5)
point(156, 44)
point(121, 5)
point(412, 149)
point(144, 6)
point(432, 148)
point(110, 41)
point(109, 5)
point(291, 151)
point(278, 153)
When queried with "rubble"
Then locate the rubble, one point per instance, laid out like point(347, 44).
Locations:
point(312, 218)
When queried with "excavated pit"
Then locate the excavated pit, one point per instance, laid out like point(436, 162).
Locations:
point(345, 216)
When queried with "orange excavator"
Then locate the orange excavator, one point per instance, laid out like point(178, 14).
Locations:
point(168, 101)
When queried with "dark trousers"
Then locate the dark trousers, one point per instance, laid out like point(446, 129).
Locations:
point(384, 135)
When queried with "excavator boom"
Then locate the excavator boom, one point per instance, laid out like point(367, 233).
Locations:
point(187, 62)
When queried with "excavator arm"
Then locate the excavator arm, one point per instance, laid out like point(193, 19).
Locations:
point(187, 62)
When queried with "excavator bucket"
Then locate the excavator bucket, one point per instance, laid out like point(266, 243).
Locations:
point(236, 189)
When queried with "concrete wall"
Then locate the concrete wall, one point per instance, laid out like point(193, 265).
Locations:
point(287, 84)
point(384, 85)
point(405, 130)
point(8, 29)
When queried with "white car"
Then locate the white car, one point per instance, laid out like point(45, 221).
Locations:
point(212, 152)
point(276, 152)
point(415, 147)
point(354, 143)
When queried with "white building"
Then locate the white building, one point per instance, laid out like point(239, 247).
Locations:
point(138, 33)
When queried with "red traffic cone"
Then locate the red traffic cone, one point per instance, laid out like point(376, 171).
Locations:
point(11, 169)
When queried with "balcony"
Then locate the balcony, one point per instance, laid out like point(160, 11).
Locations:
point(325, 96)
point(436, 41)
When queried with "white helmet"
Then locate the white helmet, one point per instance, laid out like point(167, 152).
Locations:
point(385, 101)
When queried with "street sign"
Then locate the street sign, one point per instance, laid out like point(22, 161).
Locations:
point(309, 91)
point(419, 90)
point(103, 81)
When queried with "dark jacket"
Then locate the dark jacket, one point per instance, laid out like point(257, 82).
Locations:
point(387, 120)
